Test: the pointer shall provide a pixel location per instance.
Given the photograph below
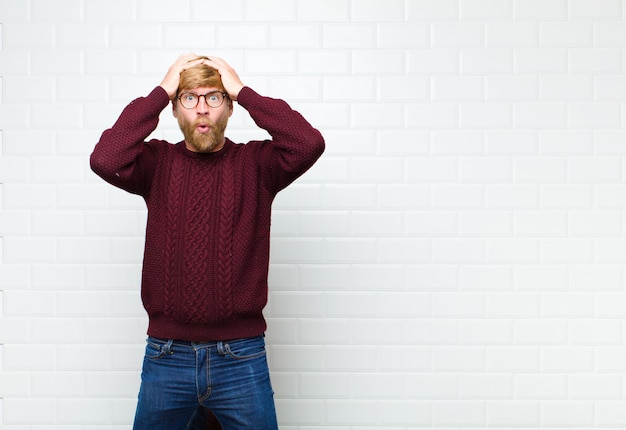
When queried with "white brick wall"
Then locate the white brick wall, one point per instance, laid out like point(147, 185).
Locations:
point(455, 259)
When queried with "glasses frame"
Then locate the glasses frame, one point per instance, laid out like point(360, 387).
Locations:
point(224, 97)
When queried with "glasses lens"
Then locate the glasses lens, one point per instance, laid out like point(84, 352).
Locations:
point(189, 100)
point(214, 99)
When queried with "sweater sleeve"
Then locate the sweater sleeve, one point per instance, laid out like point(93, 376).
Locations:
point(295, 144)
point(122, 157)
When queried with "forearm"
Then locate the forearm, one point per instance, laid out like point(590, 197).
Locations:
point(295, 141)
point(115, 156)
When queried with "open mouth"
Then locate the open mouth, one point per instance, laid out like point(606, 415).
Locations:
point(203, 128)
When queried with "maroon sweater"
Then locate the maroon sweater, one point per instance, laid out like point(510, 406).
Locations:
point(207, 240)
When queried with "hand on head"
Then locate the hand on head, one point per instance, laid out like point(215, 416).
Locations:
point(231, 81)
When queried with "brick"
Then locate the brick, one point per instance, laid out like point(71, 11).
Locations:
point(486, 278)
point(490, 170)
point(324, 10)
point(30, 90)
point(595, 224)
point(362, 114)
point(458, 34)
point(513, 250)
point(541, 278)
point(536, 386)
point(394, 305)
point(455, 413)
point(432, 116)
point(458, 196)
point(449, 88)
point(609, 33)
point(595, 60)
point(545, 61)
point(486, 10)
point(486, 387)
point(376, 11)
point(512, 305)
point(316, 385)
point(348, 36)
point(29, 411)
point(595, 332)
point(578, 359)
point(486, 115)
point(403, 35)
point(512, 359)
point(486, 61)
point(548, 332)
point(566, 34)
point(561, 305)
point(595, 387)
point(458, 305)
point(541, 9)
point(541, 224)
point(433, 61)
point(520, 88)
point(568, 88)
point(458, 142)
point(594, 115)
point(601, 9)
point(405, 89)
point(33, 36)
point(560, 142)
point(513, 413)
point(375, 278)
point(291, 304)
point(563, 196)
point(351, 358)
point(464, 359)
point(468, 251)
point(431, 332)
point(390, 62)
point(29, 250)
point(556, 251)
point(405, 250)
point(430, 386)
point(486, 332)
point(511, 142)
point(540, 115)
point(429, 170)
point(138, 36)
point(595, 278)
point(515, 34)
point(370, 224)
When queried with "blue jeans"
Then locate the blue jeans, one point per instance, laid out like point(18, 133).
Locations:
point(180, 380)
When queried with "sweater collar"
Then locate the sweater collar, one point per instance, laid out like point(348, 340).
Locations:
point(205, 155)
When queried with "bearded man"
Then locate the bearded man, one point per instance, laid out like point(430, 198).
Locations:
point(206, 257)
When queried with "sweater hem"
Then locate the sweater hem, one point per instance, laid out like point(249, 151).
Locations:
point(165, 328)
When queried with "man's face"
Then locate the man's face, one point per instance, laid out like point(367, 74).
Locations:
point(203, 126)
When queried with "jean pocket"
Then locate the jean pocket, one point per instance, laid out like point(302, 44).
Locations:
point(245, 349)
point(154, 349)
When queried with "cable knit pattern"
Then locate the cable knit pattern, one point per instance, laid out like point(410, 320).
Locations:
point(207, 237)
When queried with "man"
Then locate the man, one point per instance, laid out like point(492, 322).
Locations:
point(206, 257)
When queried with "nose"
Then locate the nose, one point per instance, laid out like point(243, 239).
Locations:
point(202, 107)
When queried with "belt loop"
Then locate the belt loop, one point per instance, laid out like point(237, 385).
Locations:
point(167, 348)
point(221, 350)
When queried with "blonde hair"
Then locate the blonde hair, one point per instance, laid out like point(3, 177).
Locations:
point(200, 76)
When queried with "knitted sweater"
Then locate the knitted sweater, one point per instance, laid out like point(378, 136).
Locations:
point(206, 253)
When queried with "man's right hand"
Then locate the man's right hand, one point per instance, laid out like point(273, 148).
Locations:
point(172, 78)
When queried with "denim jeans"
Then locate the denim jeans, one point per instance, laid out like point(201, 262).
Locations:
point(231, 379)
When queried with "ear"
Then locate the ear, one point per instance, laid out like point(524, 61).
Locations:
point(174, 109)
point(230, 107)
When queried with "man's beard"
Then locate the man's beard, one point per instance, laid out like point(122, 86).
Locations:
point(203, 142)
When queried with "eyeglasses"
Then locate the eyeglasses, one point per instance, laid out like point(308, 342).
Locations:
point(214, 99)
